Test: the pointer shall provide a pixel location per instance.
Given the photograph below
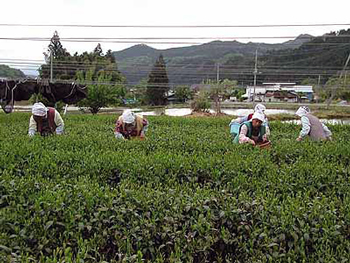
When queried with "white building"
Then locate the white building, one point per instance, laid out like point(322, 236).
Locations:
point(260, 91)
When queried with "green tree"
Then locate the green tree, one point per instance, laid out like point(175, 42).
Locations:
point(138, 92)
point(201, 102)
point(230, 87)
point(98, 71)
point(56, 50)
point(218, 90)
point(98, 50)
point(158, 83)
point(97, 62)
point(102, 91)
point(104, 81)
point(109, 56)
point(309, 81)
point(183, 93)
point(337, 88)
point(62, 67)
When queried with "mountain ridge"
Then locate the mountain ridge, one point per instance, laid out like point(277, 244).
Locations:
point(135, 62)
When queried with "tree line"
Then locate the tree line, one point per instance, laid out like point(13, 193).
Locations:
point(107, 86)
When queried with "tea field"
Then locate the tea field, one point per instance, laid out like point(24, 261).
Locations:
point(186, 194)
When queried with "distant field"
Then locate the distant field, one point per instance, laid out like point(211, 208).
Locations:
point(186, 194)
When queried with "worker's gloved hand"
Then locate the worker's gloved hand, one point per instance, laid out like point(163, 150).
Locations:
point(59, 130)
point(299, 139)
point(119, 136)
point(264, 138)
point(31, 133)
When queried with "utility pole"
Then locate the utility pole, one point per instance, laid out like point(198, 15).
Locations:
point(344, 72)
point(217, 102)
point(51, 61)
point(217, 72)
point(345, 66)
point(318, 87)
point(255, 73)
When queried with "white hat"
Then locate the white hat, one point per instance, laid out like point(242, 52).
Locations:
point(128, 116)
point(259, 107)
point(39, 109)
point(259, 116)
point(303, 110)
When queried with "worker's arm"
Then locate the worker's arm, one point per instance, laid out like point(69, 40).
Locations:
point(59, 123)
point(327, 131)
point(239, 120)
point(265, 137)
point(267, 130)
point(306, 126)
point(118, 135)
point(144, 127)
point(118, 130)
point(243, 135)
point(32, 126)
point(266, 122)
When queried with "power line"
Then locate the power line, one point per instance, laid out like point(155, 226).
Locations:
point(226, 69)
point(174, 65)
point(175, 26)
point(145, 41)
point(137, 84)
point(173, 38)
point(247, 72)
point(102, 41)
point(209, 71)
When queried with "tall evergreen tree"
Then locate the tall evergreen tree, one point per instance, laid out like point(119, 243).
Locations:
point(98, 50)
point(158, 83)
point(56, 49)
point(109, 55)
point(61, 70)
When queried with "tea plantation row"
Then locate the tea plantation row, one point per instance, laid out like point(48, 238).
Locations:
point(186, 194)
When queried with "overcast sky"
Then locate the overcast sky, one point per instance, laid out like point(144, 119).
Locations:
point(159, 13)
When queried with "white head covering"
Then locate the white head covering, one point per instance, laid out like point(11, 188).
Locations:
point(128, 116)
point(259, 116)
point(303, 110)
point(39, 109)
point(259, 107)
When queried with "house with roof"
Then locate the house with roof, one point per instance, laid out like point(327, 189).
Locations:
point(287, 92)
point(281, 96)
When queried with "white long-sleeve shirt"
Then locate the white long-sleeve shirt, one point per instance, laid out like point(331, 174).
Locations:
point(57, 119)
point(243, 138)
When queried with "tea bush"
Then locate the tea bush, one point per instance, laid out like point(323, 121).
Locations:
point(186, 194)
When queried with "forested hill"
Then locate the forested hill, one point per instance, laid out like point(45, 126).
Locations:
point(322, 56)
point(10, 73)
point(188, 65)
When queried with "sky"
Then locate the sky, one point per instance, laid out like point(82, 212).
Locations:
point(157, 13)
